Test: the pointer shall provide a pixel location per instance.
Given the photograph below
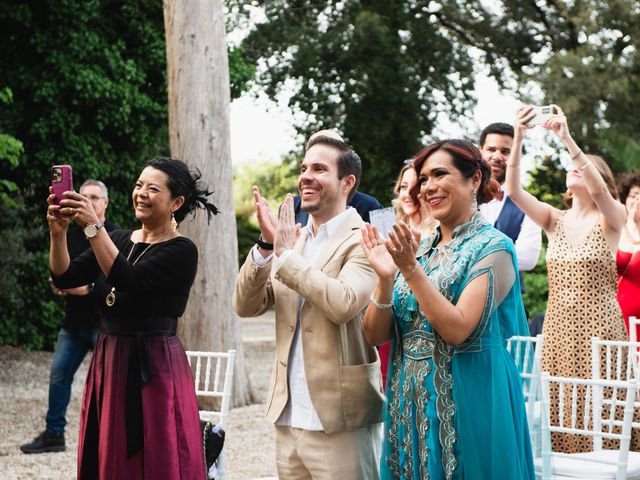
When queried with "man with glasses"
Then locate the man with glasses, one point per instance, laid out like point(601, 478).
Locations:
point(78, 333)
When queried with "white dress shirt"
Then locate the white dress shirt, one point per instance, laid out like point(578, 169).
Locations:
point(529, 241)
point(299, 411)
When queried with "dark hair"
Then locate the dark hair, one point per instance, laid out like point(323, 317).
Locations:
point(186, 183)
point(498, 128)
point(349, 162)
point(467, 159)
point(627, 182)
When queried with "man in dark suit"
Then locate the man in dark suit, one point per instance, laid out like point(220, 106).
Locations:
point(362, 202)
point(495, 145)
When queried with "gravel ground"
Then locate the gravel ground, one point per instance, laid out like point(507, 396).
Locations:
point(249, 450)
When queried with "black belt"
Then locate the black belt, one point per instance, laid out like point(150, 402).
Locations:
point(139, 371)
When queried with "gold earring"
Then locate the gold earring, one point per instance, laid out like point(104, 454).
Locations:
point(174, 224)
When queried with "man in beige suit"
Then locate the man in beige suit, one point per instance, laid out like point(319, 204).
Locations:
point(326, 394)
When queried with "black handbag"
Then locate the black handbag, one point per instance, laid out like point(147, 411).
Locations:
point(212, 441)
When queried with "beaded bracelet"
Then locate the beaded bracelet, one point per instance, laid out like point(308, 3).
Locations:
point(576, 155)
point(380, 305)
point(412, 272)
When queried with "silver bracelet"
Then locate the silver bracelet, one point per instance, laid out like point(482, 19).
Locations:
point(413, 270)
point(380, 305)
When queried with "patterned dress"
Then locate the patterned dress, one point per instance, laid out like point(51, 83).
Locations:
point(582, 304)
point(457, 412)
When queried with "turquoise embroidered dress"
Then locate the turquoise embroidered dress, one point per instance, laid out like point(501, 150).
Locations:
point(457, 412)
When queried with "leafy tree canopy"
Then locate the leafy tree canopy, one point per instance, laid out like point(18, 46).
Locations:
point(88, 83)
point(584, 56)
point(379, 72)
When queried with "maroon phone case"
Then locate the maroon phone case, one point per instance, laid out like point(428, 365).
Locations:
point(61, 185)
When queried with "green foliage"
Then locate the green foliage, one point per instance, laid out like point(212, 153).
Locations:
point(536, 286)
point(11, 150)
point(623, 151)
point(241, 73)
point(248, 232)
point(275, 180)
point(89, 89)
point(584, 56)
point(379, 72)
point(547, 181)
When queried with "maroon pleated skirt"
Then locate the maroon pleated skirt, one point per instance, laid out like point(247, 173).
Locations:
point(171, 428)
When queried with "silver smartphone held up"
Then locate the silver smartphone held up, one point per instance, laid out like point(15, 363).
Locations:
point(542, 114)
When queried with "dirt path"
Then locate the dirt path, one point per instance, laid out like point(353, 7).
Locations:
point(250, 447)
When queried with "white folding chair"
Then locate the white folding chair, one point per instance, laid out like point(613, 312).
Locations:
point(595, 422)
point(620, 363)
point(633, 325)
point(527, 355)
point(213, 377)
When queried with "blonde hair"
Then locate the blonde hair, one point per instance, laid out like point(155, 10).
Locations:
point(427, 223)
point(605, 173)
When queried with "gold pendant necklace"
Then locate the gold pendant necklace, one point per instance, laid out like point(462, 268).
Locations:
point(110, 299)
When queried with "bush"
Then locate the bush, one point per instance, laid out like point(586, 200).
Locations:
point(247, 236)
point(537, 290)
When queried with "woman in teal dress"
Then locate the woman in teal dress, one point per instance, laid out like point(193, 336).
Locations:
point(455, 408)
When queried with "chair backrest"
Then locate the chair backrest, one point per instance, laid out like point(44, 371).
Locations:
point(620, 363)
point(633, 328)
point(527, 354)
point(596, 422)
point(213, 377)
point(620, 359)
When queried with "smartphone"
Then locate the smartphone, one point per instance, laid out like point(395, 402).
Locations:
point(61, 181)
point(542, 114)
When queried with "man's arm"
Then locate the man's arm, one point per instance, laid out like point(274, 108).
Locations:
point(528, 245)
point(253, 293)
point(339, 298)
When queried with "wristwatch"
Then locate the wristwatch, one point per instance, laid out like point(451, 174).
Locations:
point(91, 231)
point(264, 245)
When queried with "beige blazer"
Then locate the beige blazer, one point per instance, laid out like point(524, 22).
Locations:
point(342, 370)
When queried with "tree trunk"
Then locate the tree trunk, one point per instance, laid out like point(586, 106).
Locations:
point(198, 82)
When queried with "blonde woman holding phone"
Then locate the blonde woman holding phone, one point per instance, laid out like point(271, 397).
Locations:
point(580, 259)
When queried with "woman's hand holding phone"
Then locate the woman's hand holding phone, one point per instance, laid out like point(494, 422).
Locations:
point(59, 223)
point(80, 207)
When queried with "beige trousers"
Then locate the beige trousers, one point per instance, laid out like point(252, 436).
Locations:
point(312, 455)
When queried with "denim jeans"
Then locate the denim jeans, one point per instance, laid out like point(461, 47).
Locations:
point(71, 348)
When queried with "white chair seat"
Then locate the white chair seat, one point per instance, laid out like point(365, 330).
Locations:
point(575, 465)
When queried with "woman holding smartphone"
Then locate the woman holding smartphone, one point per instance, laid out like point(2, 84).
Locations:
point(580, 262)
point(139, 412)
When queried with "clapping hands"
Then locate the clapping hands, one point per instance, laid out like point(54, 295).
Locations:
point(287, 231)
point(387, 256)
point(267, 221)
